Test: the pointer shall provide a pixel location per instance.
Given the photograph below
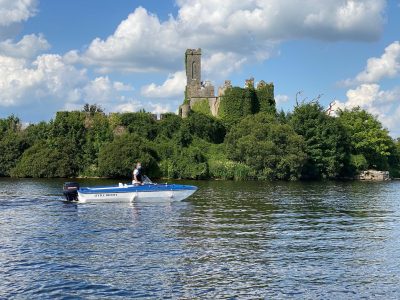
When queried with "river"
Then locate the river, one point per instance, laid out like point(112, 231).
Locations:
point(236, 240)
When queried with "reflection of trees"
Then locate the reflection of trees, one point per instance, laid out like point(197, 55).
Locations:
point(269, 232)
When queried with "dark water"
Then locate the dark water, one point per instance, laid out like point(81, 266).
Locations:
point(242, 240)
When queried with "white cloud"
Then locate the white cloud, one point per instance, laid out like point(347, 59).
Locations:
point(122, 87)
point(103, 90)
point(47, 76)
point(13, 12)
point(247, 29)
point(372, 98)
point(232, 33)
point(157, 108)
point(28, 47)
point(49, 83)
point(368, 94)
point(281, 99)
point(378, 68)
point(135, 105)
point(220, 65)
point(129, 106)
point(137, 41)
point(172, 87)
point(385, 104)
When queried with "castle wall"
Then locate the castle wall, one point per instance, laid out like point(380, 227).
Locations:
point(214, 105)
point(199, 95)
point(193, 72)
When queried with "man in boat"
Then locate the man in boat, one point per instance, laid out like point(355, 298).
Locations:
point(137, 174)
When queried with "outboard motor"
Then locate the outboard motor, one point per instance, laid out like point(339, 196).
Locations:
point(70, 190)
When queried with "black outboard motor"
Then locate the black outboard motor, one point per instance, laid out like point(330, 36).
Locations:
point(70, 190)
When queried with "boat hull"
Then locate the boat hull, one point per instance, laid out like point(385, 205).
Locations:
point(130, 193)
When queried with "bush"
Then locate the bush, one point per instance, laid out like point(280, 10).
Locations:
point(228, 170)
point(188, 163)
point(327, 142)
point(118, 158)
point(206, 127)
point(42, 160)
point(368, 137)
point(12, 145)
point(271, 149)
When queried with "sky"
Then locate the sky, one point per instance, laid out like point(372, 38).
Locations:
point(128, 55)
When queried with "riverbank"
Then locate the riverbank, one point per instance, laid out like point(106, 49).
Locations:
point(263, 146)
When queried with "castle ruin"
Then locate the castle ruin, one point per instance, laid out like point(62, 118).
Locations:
point(197, 90)
point(202, 93)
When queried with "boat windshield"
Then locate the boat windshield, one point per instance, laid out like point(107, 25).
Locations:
point(146, 180)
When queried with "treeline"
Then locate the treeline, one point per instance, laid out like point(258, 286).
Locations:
point(303, 144)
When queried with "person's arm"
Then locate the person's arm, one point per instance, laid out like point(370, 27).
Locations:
point(135, 172)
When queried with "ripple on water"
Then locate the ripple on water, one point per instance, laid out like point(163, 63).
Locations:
point(229, 240)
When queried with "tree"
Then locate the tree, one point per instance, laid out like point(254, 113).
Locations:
point(12, 145)
point(45, 160)
point(37, 132)
point(272, 149)
point(206, 127)
point(327, 144)
point(368, 138)
point(141, 123)
point(169, 125)
point(68, 134)
point(117, 158)
point(92, 108)
point(97, 134)
point(10, 124)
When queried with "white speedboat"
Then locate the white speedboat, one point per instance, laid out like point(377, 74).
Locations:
point(148, 192)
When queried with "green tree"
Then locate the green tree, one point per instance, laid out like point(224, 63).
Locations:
point(169, 125)
point(189, 163)
point(118, 158)
point(141, 123)
point(98, 133)
point(92, 108)
point(68, 136)
point(368, 138)
point(394, 160)
point(37, 132)
point(46, 160)
point(10, 124)
point(327, 144)
point(12, 145)
point(206, 127)
point(272, 149)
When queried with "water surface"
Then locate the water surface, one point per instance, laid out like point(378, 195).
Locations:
point(246, 240)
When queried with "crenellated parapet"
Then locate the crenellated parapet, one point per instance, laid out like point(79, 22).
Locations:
point(200, 95)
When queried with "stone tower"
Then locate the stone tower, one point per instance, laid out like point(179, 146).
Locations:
point(193, 65)
point(197, 92)
point(193, 72)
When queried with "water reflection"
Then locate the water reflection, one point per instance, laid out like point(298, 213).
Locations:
point(229, 240)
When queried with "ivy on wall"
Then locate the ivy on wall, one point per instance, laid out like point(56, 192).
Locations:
point(202, 106)
point(265, 96)
point(238, 102)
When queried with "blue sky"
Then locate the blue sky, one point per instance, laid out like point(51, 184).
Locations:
point(128, 55)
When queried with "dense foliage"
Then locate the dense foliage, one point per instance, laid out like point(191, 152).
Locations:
point(327, 142)
point(237, 103)
point(371, 145)
point(250, 142)
point(271, 149)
